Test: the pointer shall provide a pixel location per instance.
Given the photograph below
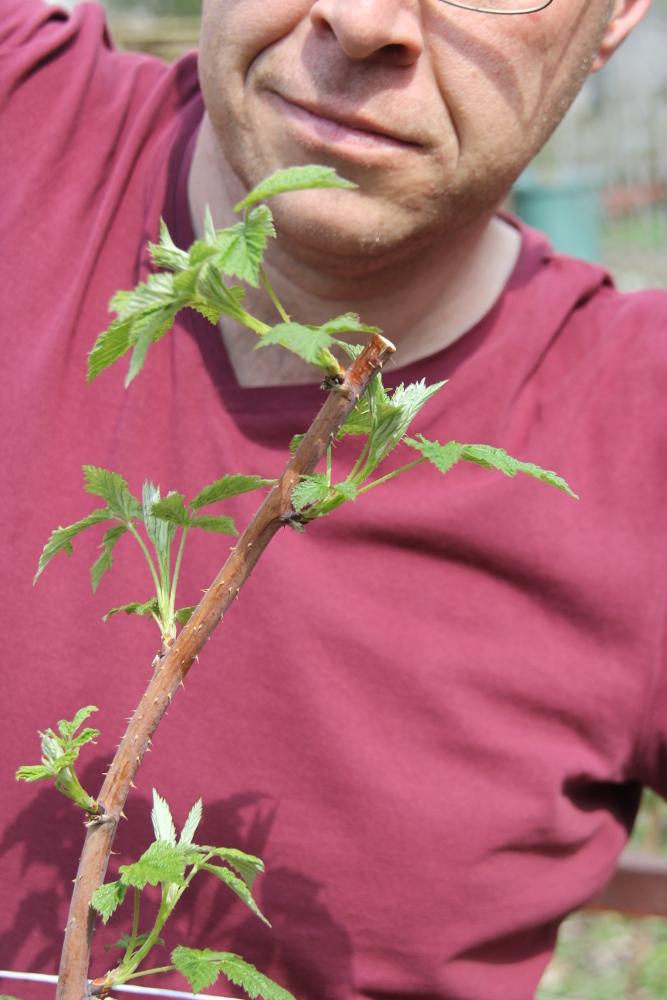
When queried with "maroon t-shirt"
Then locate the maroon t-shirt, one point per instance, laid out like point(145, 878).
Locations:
point(431, 714)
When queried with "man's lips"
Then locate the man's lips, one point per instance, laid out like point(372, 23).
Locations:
point(337, 129)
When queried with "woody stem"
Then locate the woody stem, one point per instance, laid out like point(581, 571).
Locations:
point(177, 658)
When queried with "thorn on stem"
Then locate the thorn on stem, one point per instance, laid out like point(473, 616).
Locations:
point(123, 814)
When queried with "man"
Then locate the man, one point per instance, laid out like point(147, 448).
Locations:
point(433, 714)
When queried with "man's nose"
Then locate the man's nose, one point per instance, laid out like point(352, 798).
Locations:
point(363, 28)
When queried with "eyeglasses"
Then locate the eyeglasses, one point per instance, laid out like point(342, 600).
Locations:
point(499, 6)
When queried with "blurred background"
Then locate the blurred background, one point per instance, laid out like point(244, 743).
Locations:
point(599, 191)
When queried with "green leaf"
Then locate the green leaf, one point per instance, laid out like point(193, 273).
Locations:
point(34, 772)
point(107, 898)
point(352, 350)
point(61, 538)
point(85, 736)
point(312, 343)
point(443, 456)
point(247, 865)
point(238, 886)
point(497, 458)
point(112, 488)
point(348, 490)
point(219, 298)
point(171, 509)
point(253, 982)
point(67, 729)
point(148, 329)
point(124, 941)
point(220, 522)
point(105, 561)
point(241, 247)
point(183, 615)
point(210, 235)
point(310, 490)
point(135, 608)
point(163, 824)
point(294, 179)
point(349, 323)
point(227, 487)
point(161, 533)
point(200, 968)
point(406, 402)
point(295, 442)
point(166, 254)
point(191, 823)
point(358, 420)
point(110, 345)
point(162, 862)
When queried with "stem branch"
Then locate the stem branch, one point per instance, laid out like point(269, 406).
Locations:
point(173, 665)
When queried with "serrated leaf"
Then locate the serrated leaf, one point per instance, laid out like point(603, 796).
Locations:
point(183, 615)
point(349, 323)
point(52, 747)
point(147, 330)
point(200, 968)
point(227, 487)
point(294, 179)
point(161, 533)
point(85, 736)
point(191, 823)
point(112, 488)
point(310, 490)
point(247, 865)
point(136, 608)
point(358, 420)
point(162, 862)
point(124, 941)
point(110, 345)
point(171, 509)
point(210, 235)
point(163, 824)
point(497, 458)
point(220, 523)
point(238, 886)
point(105, 561)
point(241, 247)
point(295, 442)
point(107, 898)
point(348, 490)
point(406, 402)
point(61, 538)
point(219, 298)
point(443, 456)
point(352, 350)
point(165, 253)
point(34, 772)
point(255, 983)
point(67, 729)
point(312, 343)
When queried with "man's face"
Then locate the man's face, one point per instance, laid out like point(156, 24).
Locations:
point(432, 110)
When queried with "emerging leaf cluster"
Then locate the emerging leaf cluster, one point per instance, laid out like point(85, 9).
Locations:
point(194, 279)
point(161, 518)
point(383, 418)
point(172, 864)
point(59, 752)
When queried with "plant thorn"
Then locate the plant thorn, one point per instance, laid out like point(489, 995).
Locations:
point(123, 814)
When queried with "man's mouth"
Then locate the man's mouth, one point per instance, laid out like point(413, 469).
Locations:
point(344, 131)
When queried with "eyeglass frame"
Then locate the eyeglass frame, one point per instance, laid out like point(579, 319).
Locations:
point(484, 10)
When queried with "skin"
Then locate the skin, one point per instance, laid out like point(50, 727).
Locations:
point(432, 110)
